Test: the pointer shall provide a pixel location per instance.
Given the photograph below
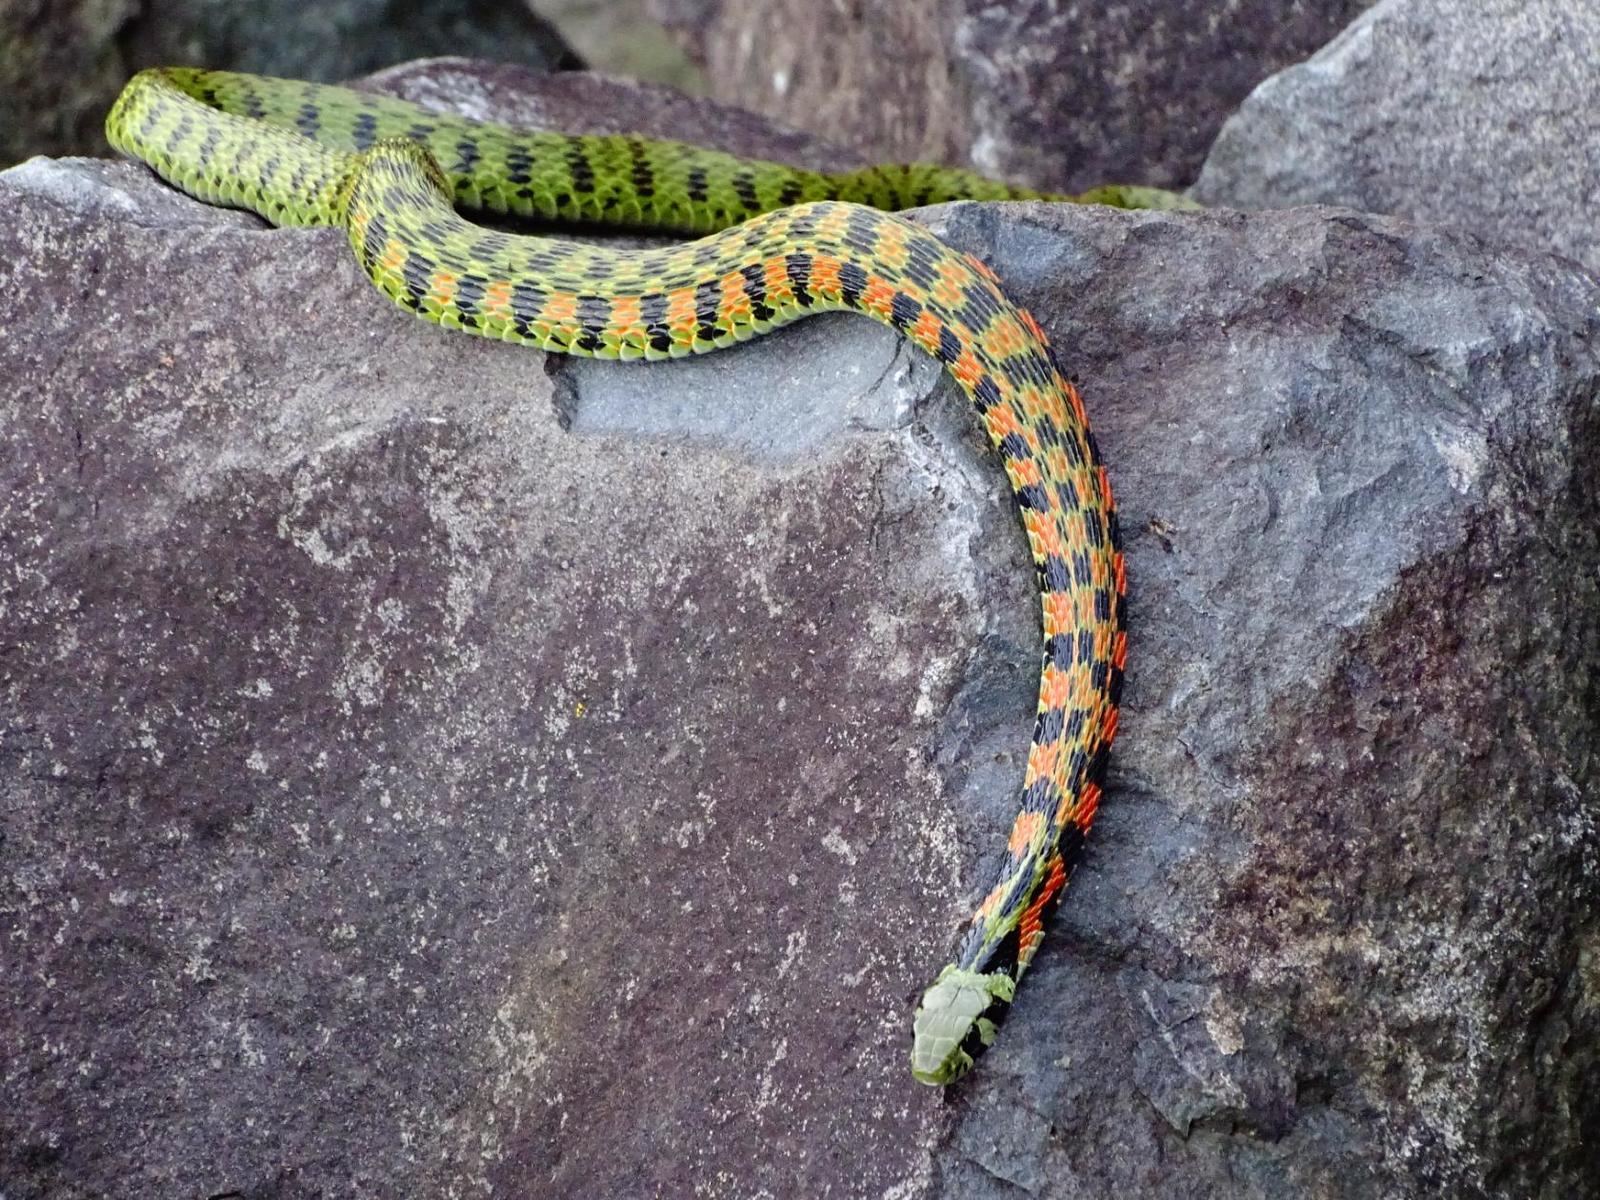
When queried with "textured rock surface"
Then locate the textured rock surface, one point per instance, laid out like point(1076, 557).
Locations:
point(1059, 95)
point(1478, 113)
point(401, 793)
point(62, 62)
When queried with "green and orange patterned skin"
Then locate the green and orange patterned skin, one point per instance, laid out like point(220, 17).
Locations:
point(792, 243)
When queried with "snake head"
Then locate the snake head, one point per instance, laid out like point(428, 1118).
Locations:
point(956, 1022)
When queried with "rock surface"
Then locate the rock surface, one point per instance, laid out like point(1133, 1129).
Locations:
point(428, 769)
point(63, 62)
point(1060, 96)
point(1478, 113)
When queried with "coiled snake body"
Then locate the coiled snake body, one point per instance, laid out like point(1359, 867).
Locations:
point(791, 243)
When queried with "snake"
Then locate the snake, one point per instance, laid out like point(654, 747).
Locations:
point(774, 244)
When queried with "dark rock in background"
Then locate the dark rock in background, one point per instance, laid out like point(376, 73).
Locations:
point(62, 62)
point(1478, 113)
point(582, 102)
point(427, 768)
point(1060, 96)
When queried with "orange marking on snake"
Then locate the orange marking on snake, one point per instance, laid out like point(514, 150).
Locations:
point(442, 287)
point(1055, 688)
point(968, 370)
point(825, 276)
point(982, 268)
point(1023, 831)
point(949, 288)
point(1001, 421)
point(1044, 535)
point(497, 299)
point(1003, 338)
point(681, 317)
point(1030, 929)
point(1060, 614)
point(775, 272)
point(1042, 762)
point(878, 296)
point(626, 314)
point(735, 306)
point(1023, 472)
point(560, 308)
point(926, 330)
point(1079, 810)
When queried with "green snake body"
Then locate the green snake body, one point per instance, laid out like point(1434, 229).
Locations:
point(791, 243)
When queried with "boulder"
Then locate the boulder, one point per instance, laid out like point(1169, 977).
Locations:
point(1484, 114)
point(432, 768)
point(1059, 96)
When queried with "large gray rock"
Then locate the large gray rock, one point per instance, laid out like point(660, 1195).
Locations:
point(1060, 96)
point(1478, 113)
point(430, 769)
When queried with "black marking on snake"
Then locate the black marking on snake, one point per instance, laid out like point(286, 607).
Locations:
point(985, 394)
point(528, 300)
point(1041, 795)
point(852, 282)
point(1048, 432)
point(653, 310)
point(491, 245)
point(1058, 651)
point(1082, 572)
point(744, 186)
point(1054, 574)
point(469, 292)
point(593, 312)
point(581, 169)
point(697, 185)
point(374, 240)
point(707, 300)
point(365, 131)
point(1073, 449)
point(798, 268)
point(904, 311)
point(1085, 650)
point(641, 173)
point(755, 287)
point(1032, 495)
point(1094, 528)
point(1013, 447)
point(1047, 727)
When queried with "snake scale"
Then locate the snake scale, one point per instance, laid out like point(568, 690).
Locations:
point(781, 244)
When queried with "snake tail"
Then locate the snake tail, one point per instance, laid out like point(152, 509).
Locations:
point(392, 175)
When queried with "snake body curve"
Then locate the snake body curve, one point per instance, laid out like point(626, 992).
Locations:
point(791, 243)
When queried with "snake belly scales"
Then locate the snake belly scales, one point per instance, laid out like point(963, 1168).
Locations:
point(781, 244)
